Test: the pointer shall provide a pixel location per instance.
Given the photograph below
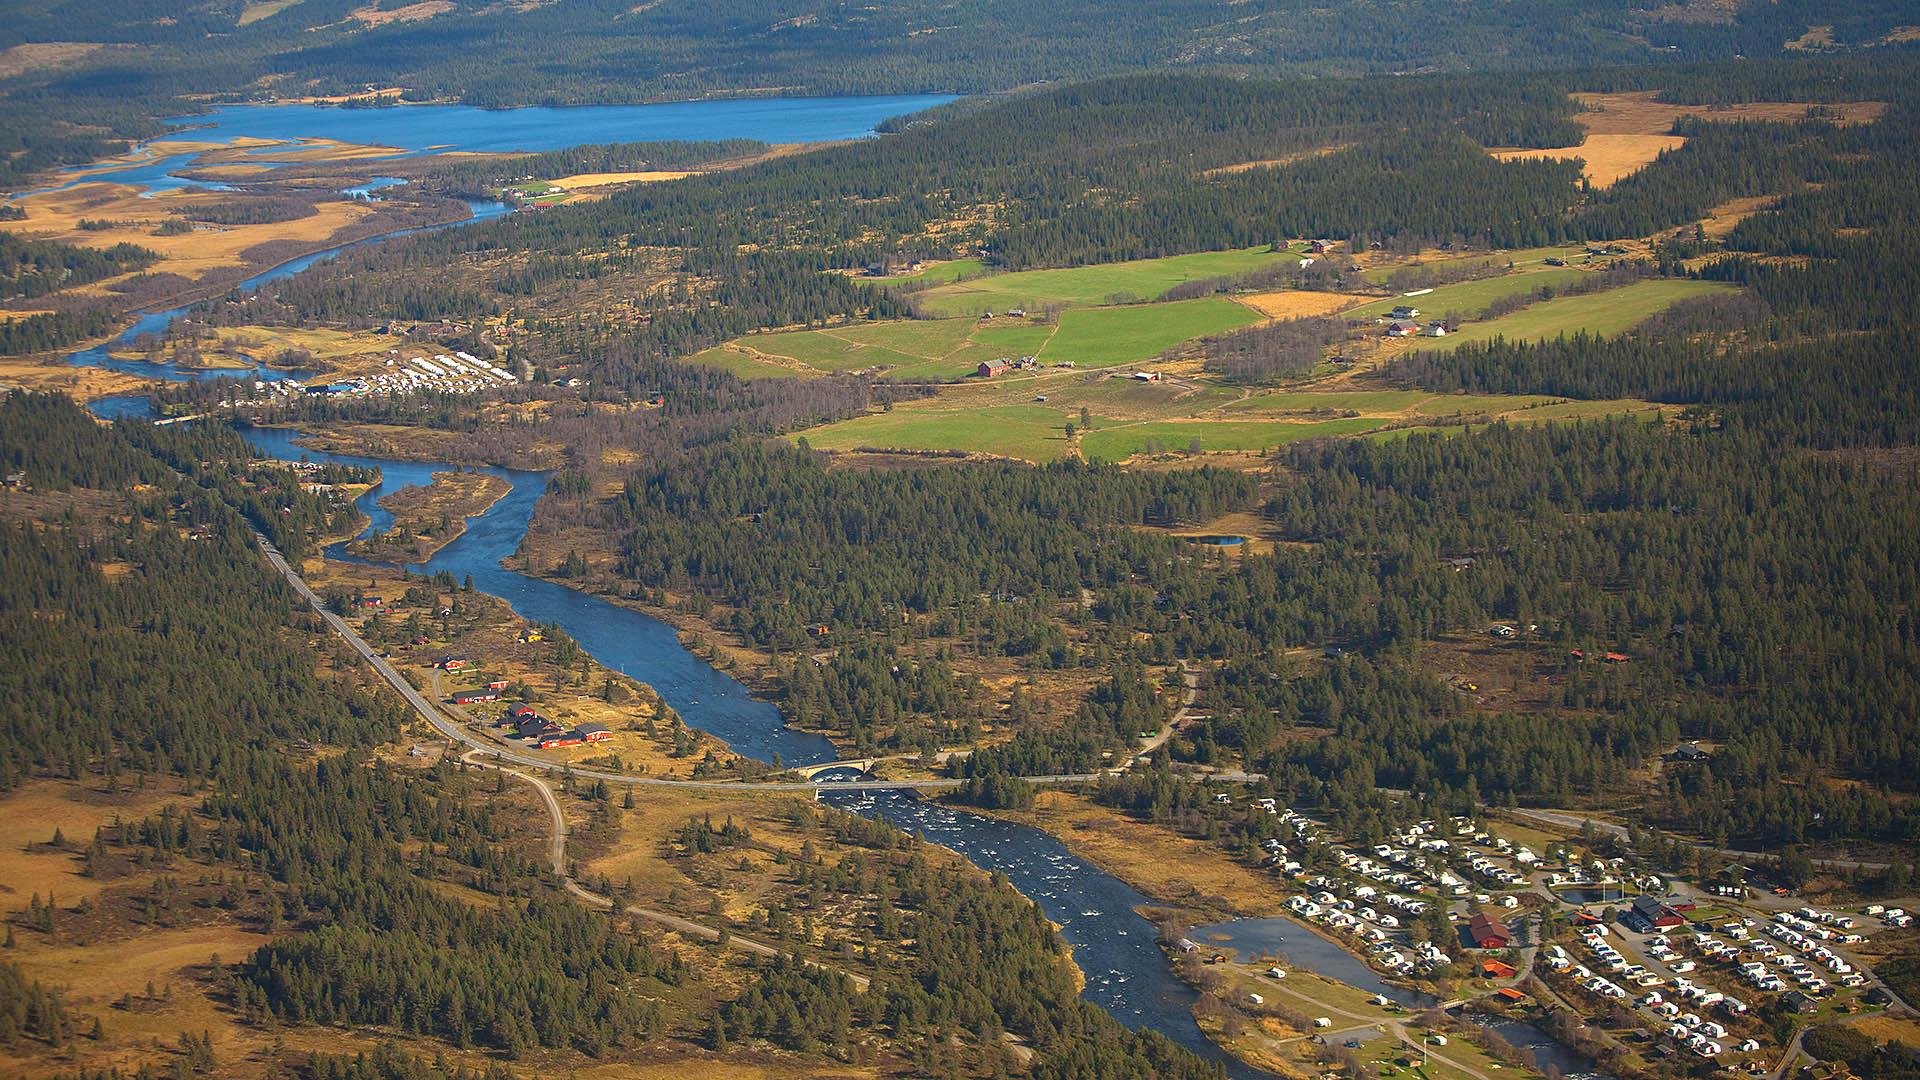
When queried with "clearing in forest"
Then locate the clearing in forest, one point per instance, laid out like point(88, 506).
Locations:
point(1087, 286)
point(1469, 297)
point(1627, 131)
point(1613, 311)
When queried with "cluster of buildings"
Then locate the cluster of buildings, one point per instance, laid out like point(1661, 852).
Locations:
point(1403, 321)
point(529, 726)
point(1787, 955)
point(990, 368)
point(460, 373)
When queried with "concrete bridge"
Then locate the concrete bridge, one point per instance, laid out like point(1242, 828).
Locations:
point(861, 765)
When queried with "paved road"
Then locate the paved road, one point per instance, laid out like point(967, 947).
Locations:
point(557, 856)
point(1565, 820)
point(459, 734)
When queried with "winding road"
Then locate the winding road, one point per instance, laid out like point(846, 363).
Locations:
point(557, 855)
point(458, 733)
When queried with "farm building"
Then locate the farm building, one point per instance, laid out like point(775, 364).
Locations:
point(1320, 247)
point(1402, 328)
point(1146, 376)
point(593, 733)
point(1487, 932)
point(1434, 329)
point(559, 738)
point(1405, 311)
point(989, 368)
point(1648, 914)
point(474, 697)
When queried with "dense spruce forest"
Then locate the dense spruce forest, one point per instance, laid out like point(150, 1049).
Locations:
point(1682, 545)
point(145, 638)
point(1121, 168)
point(140, 64)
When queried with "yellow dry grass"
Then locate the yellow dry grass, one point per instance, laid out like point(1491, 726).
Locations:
point(29, 817)
point(1162, 864)
point(39, 55)
point(643, 855)
point(262, 9)
point(57, 376)
point(305, 151)
point(56, 215)
point(1900, 1029)
point(581, 181)
point(1627, 131)
point(1609, 158)
point(1721, 219)
point(1298, 303)
point(425, 9)
point(710, 1068)
point(1637, 113)
point(1275, 162)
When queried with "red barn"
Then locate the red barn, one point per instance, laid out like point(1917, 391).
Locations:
point(1487, 932)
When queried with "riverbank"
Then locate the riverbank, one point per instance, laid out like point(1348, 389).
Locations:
point(426, 519)
point(1200, 880)
point(419, 624)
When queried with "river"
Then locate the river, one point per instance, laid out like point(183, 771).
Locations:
point(1127, 972)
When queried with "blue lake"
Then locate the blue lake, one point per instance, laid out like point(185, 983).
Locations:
point(463, 127)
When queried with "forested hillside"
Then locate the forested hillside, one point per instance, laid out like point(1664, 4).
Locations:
point(1122, 168)
point(149, 650)
point(137, 64)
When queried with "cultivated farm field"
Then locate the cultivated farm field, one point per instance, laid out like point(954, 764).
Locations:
point(1089, 286)
point(1470, 296)
point(1614, 311)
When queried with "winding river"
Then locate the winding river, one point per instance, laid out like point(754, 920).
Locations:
point(1127, 973)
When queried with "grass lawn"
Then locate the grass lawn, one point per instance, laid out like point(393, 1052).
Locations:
point(1614, 311)
point(945, 273)
point(1115, 444)
point(950, 349)
point(1088, 286)
point(1469, 296)
point(1104, 337)
point(1521, 258)
point(745, 366)
point(1031, 432)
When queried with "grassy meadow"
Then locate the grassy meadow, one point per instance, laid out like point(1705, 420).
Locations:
point(1614, 311)
point(1091, 286)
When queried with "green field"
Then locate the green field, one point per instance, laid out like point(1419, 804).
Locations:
point(1104, 337)
point(1383, 403)
point(1614, 311)
point(1468, 297)
point(1091, 286)
point(1031, 432)
point(1119, 443)
point(1522, 258)
point(949, 349)
point(743, 365)
point(943, 273)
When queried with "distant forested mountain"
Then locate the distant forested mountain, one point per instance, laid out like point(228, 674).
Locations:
point(64, 104)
